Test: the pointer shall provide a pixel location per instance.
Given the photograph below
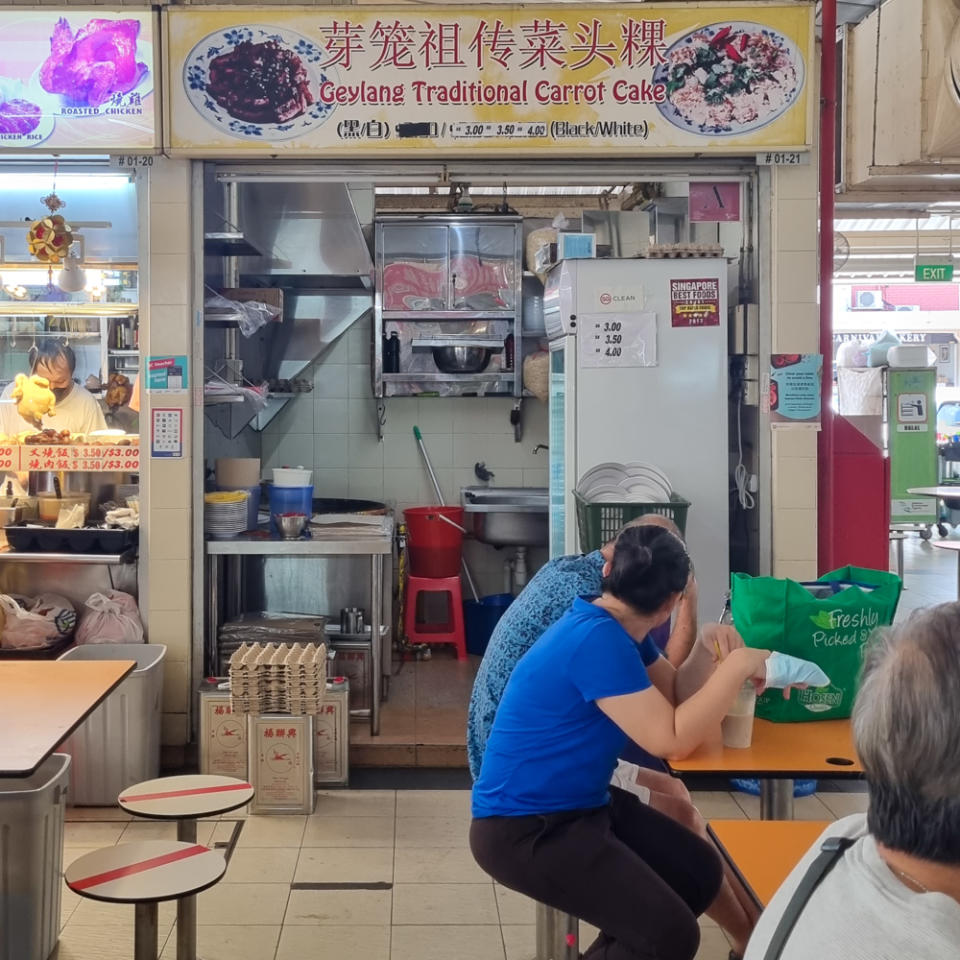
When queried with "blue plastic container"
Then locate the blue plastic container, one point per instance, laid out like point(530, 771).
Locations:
point(801, 788)
point(289, 500)
point(480, 618)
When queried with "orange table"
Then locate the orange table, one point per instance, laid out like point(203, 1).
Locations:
point(43, 701)
point(763, 852)
point(780, 753)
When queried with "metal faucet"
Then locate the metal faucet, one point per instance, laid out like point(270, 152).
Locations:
point(541, 446)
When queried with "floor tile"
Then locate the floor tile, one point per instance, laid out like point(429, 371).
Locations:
point(713, 944)
point(845, 804)
point(355, 803)
point(520, 941)
point(265, 831)
point(231, 942)
point(419, 832)
point(164, 830)
point(98, 814)
point(717, 805)
point(247, 904)
point(804, 808)
point(345, 865)
point(93, 835)
point(455, 903)
point(349, 832)
point(357, 942)
point(69, 901)
point(109, 941)
point(262, 865)
point(514, 907)
point(433, 803)
point(446, 942)
point(436, 865)
point(338, 907)
point(95, 913)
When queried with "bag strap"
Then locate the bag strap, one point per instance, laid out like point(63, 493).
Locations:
point(831, 850)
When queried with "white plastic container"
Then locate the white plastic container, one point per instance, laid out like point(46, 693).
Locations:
point(911, 355)
point(118, 745)
point(31, 827)
point(291, 477)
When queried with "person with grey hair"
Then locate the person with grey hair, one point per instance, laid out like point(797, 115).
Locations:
point(889, 883)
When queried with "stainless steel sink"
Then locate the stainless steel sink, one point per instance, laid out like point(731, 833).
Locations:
point(506, 516)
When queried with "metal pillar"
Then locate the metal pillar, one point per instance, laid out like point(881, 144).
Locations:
point(145, 931)
point(558, 934)
point(776, 799)
point(187, 906)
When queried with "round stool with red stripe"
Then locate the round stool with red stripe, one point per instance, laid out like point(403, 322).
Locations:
point(186, 799)
point(144, 873)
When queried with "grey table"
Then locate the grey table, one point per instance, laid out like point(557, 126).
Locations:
point(375, 543)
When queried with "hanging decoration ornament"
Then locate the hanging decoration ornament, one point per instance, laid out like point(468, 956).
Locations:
point(49, 239)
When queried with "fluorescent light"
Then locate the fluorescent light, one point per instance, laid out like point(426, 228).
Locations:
point(72, 182)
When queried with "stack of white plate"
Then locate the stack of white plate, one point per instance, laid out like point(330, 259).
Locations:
point(221, 521)
point(625, 483)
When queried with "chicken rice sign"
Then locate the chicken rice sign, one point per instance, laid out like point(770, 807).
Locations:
point(77, 81)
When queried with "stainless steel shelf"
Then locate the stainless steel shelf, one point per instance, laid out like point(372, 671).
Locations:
point(123, 353)
point(107, 559)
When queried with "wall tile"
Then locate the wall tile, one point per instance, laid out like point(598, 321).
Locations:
point(794, 443)
point(173, 729)
point(330, 452)
point(404, 485)
point(794, 534)
point(330, 380)
point(362, 416)
point(795, 569)
point(169, 228)
point(170, 329)
point(169, 534)
point(291, 450)
point(795, 483)
point(797, 225)
point(331, 415)
point(296, 416)
point(171, 627)
point(338, 352)
point(359, 385)
point(439, 447)
point(170, 276)
point(170, 484)
point(536, 478)
point(330, 483)
point(401, 450)
point(176, 686)
point(168, 585)
point(366, 484)
point(403, 414)
point(482, 415)
point(435, 415)
point(793, 272)
point(365, 452)
point(796, 327)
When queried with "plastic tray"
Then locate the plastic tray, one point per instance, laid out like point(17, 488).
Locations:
point(39, 539)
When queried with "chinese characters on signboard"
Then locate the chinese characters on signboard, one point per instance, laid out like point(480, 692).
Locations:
point(390, 80)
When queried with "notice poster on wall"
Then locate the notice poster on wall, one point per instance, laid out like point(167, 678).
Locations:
point(81, 80)
point(695, 303)
point(167, 374)
point(795, 388)
point(429, 79)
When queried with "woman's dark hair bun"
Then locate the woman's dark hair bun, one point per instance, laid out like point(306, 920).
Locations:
point(649, 565)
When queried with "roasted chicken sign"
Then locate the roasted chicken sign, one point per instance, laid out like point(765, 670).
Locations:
point(77, 81)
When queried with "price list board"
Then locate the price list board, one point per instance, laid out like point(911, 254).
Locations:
point(617, 340)
point(69, 457)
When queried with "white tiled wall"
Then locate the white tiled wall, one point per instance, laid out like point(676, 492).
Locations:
point(334, 430)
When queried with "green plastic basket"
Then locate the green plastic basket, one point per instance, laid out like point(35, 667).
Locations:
point(599, 523)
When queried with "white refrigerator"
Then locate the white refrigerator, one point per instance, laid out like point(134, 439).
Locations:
point(638, 372)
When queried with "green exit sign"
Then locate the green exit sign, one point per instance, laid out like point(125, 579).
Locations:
point(933, 272)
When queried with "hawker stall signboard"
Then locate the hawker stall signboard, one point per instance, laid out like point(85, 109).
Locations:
point(439, 79)
point(77, 81)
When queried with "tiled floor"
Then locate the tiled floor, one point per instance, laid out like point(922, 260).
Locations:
point(409, 888)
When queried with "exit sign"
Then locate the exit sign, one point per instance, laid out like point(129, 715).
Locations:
point(933, 272)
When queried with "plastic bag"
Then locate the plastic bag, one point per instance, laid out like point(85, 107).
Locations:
point(36, 624)
point(249, 316)
point(110, 617)
point(877, 351)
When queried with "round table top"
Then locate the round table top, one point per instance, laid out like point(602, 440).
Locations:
point(190, 796)
point(145, 871)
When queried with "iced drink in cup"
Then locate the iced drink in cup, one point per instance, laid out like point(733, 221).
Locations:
point(737, 725)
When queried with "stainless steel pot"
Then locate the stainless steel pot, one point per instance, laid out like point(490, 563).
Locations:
point(461, 359)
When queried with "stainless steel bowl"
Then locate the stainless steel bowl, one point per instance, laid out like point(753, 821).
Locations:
point(461, 359)
point(290, 527)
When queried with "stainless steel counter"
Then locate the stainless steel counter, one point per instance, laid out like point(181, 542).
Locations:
point(341, 541)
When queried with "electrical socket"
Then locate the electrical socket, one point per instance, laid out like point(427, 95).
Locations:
point(753, 483)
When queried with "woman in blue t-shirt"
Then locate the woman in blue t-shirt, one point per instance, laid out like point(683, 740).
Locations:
point(546, 821)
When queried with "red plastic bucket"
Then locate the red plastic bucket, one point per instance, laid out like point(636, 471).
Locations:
point(433, 545)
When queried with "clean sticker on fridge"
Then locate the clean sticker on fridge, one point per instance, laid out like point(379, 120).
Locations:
point(617, 340)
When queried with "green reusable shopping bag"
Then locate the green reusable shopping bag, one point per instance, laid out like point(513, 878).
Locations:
point(831, 631)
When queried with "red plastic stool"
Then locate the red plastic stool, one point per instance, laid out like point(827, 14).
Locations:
point(451, 630)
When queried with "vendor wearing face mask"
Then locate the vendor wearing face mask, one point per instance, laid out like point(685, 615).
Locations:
point(76, 409)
